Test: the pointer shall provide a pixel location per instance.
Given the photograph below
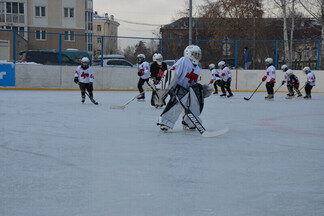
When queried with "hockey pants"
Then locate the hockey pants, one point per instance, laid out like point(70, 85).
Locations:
point(217, 83)
point(308, 89)
point(269, 87)
point(226, 85)
point(86, 87)
point(140, 84)
point(292, 87)
point(192, 98)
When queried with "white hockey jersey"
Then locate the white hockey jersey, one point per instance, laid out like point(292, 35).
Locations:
point(271, 73)
point(311, 79)
point(225, 74)
point(286, 77)
point(84, 75)
point(145, 68)
point(215, 75)
point(186, 72)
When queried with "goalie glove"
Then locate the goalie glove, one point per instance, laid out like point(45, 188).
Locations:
point(207, 90)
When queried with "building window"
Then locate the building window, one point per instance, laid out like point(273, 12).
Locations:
point(40, 11)
point(2, 12)
point(12, 12)
point(69, 36)
point(69, 12)
point(98, 40)
point(98, 27)
point(40, 35)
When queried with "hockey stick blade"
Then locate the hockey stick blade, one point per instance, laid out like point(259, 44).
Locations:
point(93, 101)
point(210, 134)
point(122, 106)
point(246, 98)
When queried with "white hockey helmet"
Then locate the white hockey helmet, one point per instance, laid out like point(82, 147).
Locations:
point(140, 58)
point(85, 59)
point(284, 68)
point(221, 63)
point(289, 72)
point(193, 53)
point(157, 57)
point(211, 66)
point(306, 70)
point(269, 60)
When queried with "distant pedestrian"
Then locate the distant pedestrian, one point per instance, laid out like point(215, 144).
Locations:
point(247, 58)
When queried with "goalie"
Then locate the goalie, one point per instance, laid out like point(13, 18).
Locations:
point(185, 87)
point(157, 70)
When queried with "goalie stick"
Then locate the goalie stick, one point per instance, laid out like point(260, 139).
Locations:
point(197, 123)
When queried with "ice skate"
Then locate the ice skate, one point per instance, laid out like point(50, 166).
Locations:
point(230, 95)
point(82, 99)
point(269, 97)
point(186, 126)
point(308, 97)
point(299, 95)
point(223, 95)
point(215, 93)
point(141, 96)
point(164, 128)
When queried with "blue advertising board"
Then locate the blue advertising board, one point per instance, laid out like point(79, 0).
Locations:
point(7, 75)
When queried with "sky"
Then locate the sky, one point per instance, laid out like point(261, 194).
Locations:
point(142, 11)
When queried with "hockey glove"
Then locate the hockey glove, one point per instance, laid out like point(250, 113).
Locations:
point(211, 81)
point(76, 80)
point(283, 82)
point(140, 73)
point(229, 79)
point(207, 90)
point(264, 78)
point(272, 81)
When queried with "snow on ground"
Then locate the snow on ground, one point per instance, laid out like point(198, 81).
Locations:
point(59, 157)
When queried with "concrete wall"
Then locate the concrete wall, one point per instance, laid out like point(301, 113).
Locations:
point(40, 76)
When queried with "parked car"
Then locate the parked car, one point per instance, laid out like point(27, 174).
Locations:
point(76, 55)
point(114, 63)
point(112, 56)
point(45, 57)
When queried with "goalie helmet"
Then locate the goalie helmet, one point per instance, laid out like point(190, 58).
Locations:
point(306, 70)
point(284, 68)
point(193, 53)
point(211, 66)
point(269, 60)
point(140, 58)
point(158, 58)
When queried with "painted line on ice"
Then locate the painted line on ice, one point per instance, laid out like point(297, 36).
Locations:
point(271, 122)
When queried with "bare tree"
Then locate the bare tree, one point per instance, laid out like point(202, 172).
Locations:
point(283, 5)
point(316, 9)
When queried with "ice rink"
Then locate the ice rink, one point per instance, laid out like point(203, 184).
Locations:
point(59, 157)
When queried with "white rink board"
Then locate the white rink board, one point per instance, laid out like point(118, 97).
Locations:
point(61, 157)
point(56, 77)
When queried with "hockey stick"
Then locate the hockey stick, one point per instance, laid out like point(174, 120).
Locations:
point(277, 89)
point(253, 92)
point(122, 106)
point(91, 99)
point(197, 123)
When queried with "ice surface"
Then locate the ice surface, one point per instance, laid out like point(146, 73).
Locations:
point(59, 157)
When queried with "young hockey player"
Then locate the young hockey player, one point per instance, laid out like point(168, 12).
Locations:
point(185, 88)
point(270, 77)
point(84, 77)
point(158, 67)
point(284, 69)
point(143, 73)
point(310, 83)
point(226, 76)
point(292, 84)
point(216, 80)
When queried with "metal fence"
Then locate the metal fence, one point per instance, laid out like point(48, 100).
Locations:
point(305, 52)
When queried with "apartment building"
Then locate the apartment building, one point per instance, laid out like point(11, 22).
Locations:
point(105, 26)
point(49, 23)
